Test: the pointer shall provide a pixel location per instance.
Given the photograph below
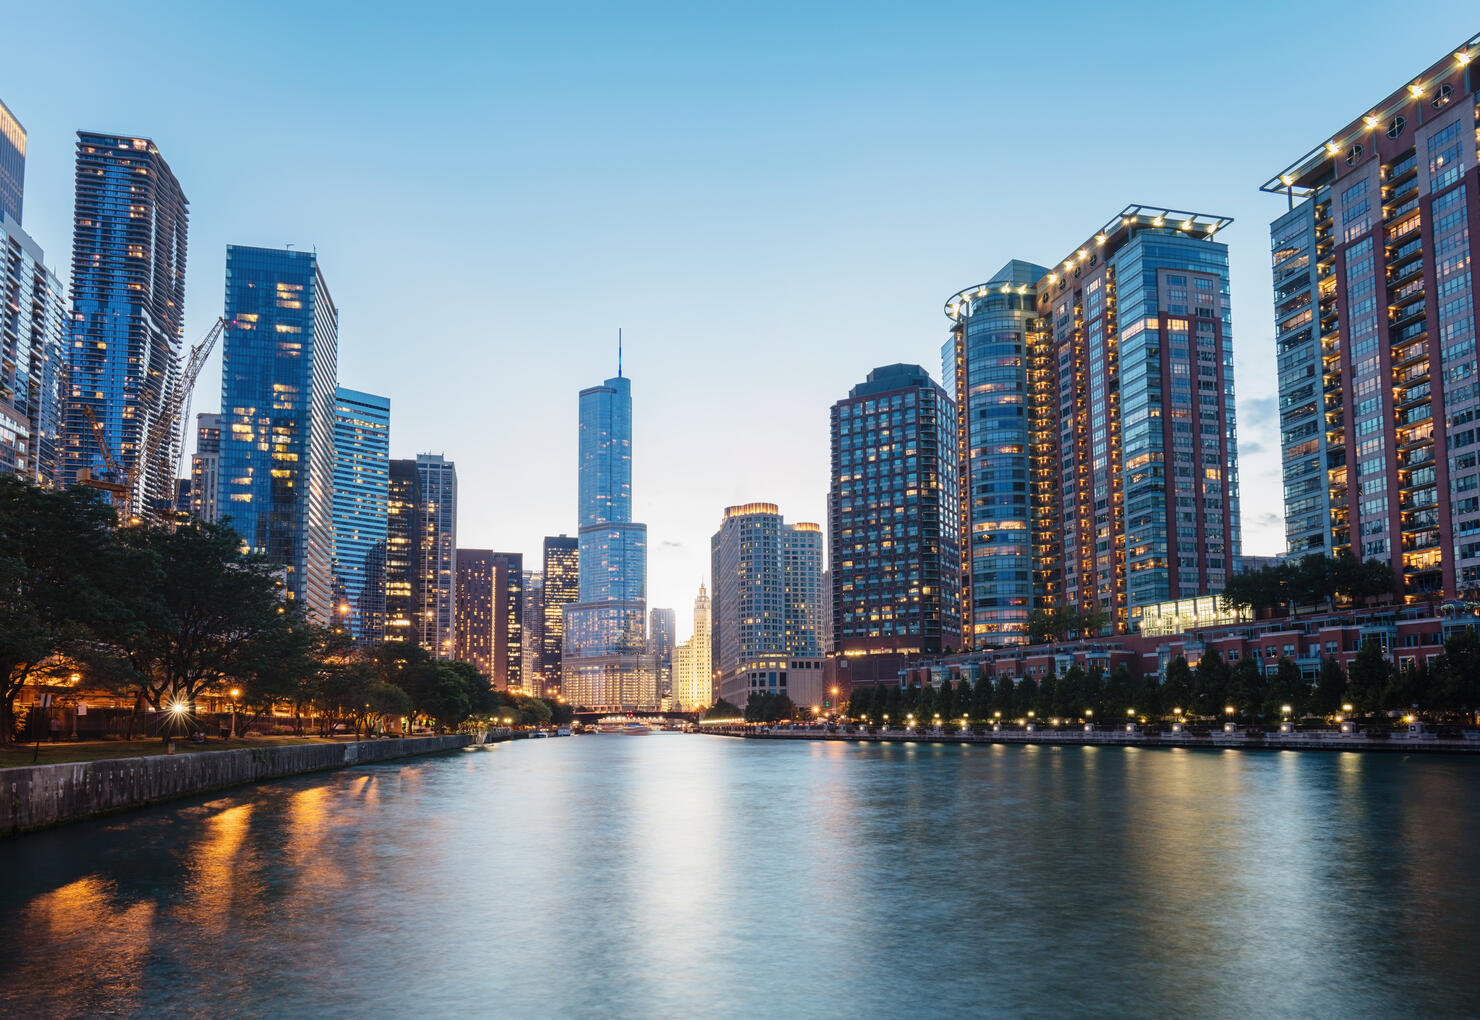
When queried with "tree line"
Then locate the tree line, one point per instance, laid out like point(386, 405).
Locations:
point(166, 615)
point(1314, 580)
point(1208, 689)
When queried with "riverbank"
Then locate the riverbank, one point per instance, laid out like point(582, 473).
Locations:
point(67, 751)
point(1252, 740)
point(40, 796)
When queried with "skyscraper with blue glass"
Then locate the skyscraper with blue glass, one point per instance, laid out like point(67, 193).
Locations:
point(603, 664)
point(362, 424)
point(32, 351)
point(1095, 428)
point(277, 416)
point(129, 230)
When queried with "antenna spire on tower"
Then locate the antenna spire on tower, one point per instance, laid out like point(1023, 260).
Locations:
point(619, 352)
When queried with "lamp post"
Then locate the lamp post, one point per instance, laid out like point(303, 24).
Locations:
point(236, 692)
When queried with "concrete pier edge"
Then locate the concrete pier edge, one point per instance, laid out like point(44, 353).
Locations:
point(36, 797)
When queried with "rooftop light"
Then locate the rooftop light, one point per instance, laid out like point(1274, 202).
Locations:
point(1416, 89)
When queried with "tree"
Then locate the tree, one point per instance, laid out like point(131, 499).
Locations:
point(722, 709)
point(1287, 688)
point(1369, 677)
point(1246, 688)
point(863, 701)
point(982, 698)
point(1210, 684)
point(66, 586)
point(1456, 683)
point(220, 616)
point(1330, 692)
point(945, 700)
point(1176, 690)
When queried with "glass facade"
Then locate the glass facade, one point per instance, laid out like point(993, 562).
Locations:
point(893, 517)
point(561, 588)
point(605, 630)
point(12, 165)
point(1375, 335)
point(277, 417)
point(205, 468)
point(490, 614)
point(403, 569)
point(130, 222)
point(1095, 427)
point(362, 426)
point(32, 358)
point(436, 587)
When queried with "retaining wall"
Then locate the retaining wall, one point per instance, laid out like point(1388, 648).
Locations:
point(39, 796)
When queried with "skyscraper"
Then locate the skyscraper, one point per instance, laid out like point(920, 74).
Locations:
point(437, 585)
point(534, 633)
point(403, 554)
point(661, 625)
point(1375, 335)
point(277, 416)
point(893, 523)
point(693, 681)
point(362, 424)
point(562, 586)
point(205, 468)
point(32, 349)
point(766, 614)
point(12, 165)
point(1120, 364)
point(605, 631)
point(490, 614)
point(128, 301)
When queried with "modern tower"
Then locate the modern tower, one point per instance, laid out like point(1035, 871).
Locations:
point(33, 351)
point(490, 614)
point(603, 664)
point(437, 585)
point(1120, 363)
point(362, 424)
point(693, 681)
point(12, 165)
point(561, 587)
point(205, 468)
point(661, 625)
point(766, 615)
point(128, 301)
point(893, 518)
point(1374, 293)
point(533, 633)
point(277, 417)
point(403, 554)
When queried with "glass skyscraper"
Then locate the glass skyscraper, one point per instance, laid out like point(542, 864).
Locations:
point(403, 555)
point(205, 468)
point(128, 301)
point(12, 165)
point(277, 416)
point(1375, 299)
point(603, 661)
point(562, 586)
point(362, 424)
point(1095, 427)
point(436, 589)
point(32, 349)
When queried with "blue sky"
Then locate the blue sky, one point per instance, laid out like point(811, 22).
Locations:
point(770, 200)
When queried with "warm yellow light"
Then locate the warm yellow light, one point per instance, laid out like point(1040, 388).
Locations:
point(236, 692)
point(1100, 239)
point(1346, 708)
point(1228, 709)
point(1286, 180)
point(1462, 58)
point(1186, 224)
point(1332, 148)
point(1286, 709)
point(1370, 121)
point(1177, 711)
point(1416, 89)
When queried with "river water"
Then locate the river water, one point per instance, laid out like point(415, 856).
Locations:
point(678, 875)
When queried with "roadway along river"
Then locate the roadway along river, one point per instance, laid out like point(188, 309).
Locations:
point(677, 875)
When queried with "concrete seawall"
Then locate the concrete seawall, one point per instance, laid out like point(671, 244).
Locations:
point(40, 796)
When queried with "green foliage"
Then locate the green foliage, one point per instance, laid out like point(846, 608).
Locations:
point(1312, 580)
point(722, 709)
point(67, 587)
point(1060, 623)
point(768, 708)
point(1370, 678)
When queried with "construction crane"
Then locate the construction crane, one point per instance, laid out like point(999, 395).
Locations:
point(158, 459)
point(121, 482)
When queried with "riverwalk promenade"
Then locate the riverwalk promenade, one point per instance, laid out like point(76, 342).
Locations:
point(1413, 740)
point(40, 796)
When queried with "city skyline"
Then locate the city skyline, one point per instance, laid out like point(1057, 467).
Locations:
point(942, 232)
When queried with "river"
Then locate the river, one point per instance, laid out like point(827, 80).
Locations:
point(678, 875)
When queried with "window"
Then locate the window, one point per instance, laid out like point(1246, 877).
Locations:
point(1396, 126)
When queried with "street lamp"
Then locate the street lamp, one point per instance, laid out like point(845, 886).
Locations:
point(236, 692)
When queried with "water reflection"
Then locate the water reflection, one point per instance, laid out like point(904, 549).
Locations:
point(684, 876)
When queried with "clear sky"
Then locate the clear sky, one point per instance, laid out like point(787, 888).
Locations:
point(769, 198)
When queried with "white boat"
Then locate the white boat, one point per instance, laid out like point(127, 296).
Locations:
point(635, 728)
